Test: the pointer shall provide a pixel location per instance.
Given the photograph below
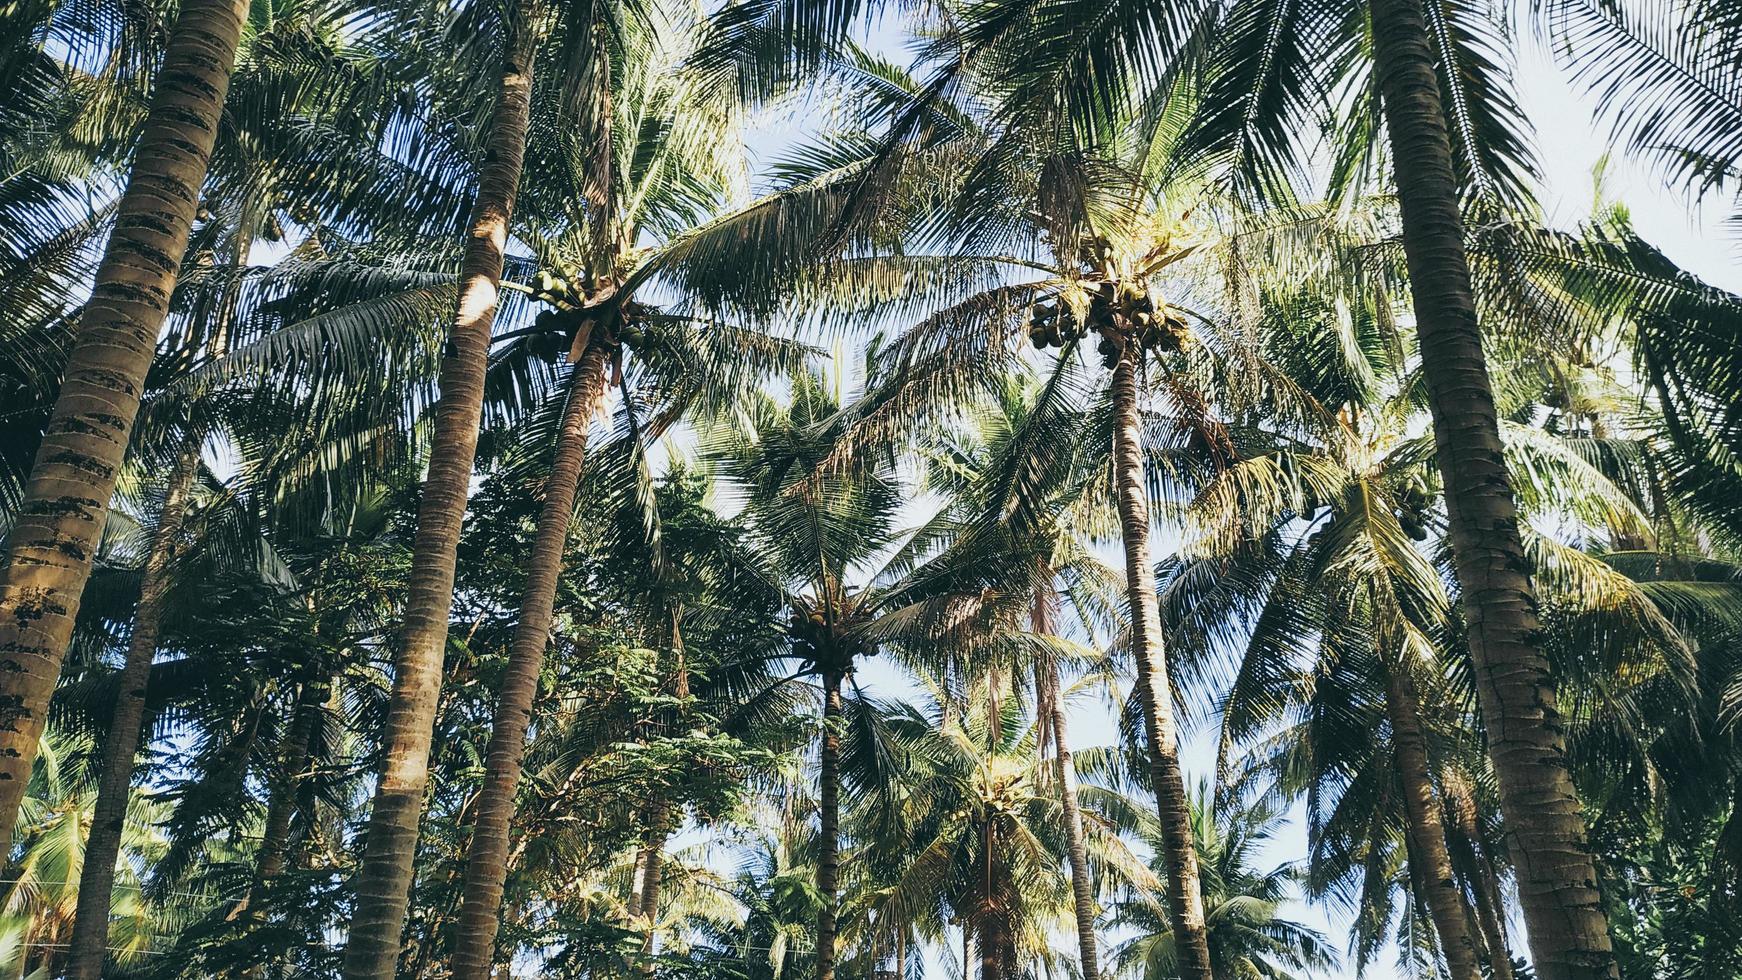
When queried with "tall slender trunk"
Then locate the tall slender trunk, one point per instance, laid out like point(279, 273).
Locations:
point(1179, 853)
point(991, 928)
point(1427, 832)
point(48, 554)
point(283, 800)
point(1461, 805)
point(384, 879)
point(1082, 886)
point(88, 947)
point(1493, 930)
point(487, 856)
point(829, 805)
point(991, 949)
point(637, 880)
point(653, 877)
point(1568, 930)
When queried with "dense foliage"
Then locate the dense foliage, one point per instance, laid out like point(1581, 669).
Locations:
point(1124, 489)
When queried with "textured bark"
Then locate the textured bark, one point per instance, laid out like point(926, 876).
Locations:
point(47, 558)
point(1082, 885)
point(1427, 833)
point(1179, 853)
point(384, 880)
point(1557, 881)
point(829, 805)
point(88, 947)
point(487, 855)
point(637, 878)
point(653, 877)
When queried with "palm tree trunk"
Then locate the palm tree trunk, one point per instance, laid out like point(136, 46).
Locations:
point(1461, 804)
point(487, 856)
point(384, 880)
point(829, 805)
point(1426, 830)
point(283, 800)
point(88, 947)
point(1179, 853)
point(651, 880)
point(1082, 887)
point(54, 537)
point(1569, 934)
point(991, 949)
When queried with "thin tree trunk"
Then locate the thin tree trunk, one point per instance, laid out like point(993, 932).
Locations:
point(283, 801)
point(1557, 880)
point(1427, 832)
point(991, 948)
point(637, 879)
point(384, 879)
point(653, 877)
point(1493, 931)
point(1082, 886)
point(487, 856)
point(986, 920)
point(88, 947)
point(1179, 853)
point(1461, 804)
point(48, 554)
point(828, 849)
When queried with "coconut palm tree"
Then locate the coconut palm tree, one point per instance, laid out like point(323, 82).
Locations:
point(1267, 72)
point(655, 180)
point(976, 831)
point(1453, 131)
point(1019, 487)
point(829, 550)
point(1320, 545)
point(53, 539)
point(1250, 936)
point(252, 194)
point(384, 877)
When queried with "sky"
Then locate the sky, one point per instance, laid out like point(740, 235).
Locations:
point(1571, 143)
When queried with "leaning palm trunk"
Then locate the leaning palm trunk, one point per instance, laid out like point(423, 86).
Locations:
point(384, 879)
point(1427, 832)
point(487, 857)
point(88, 947)
point(1179, 854)
point(829, 805)
point(47, 558)
point(1568, 930)
point(1082, 886)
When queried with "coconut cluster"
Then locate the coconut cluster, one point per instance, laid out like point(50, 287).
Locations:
point(1118, 312)
point(1412, 505)
point(575, 307)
